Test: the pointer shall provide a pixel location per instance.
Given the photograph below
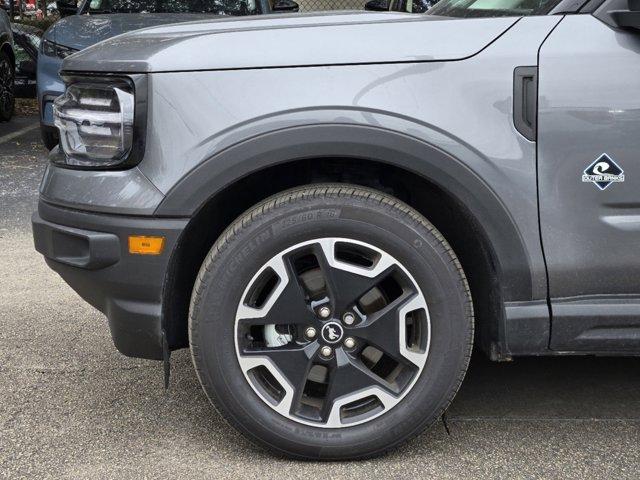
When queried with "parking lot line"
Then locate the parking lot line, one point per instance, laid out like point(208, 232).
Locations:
point(19, 133)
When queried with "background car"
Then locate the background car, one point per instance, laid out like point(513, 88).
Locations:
point(409, 6)
point(7, 65)
point(99, 20)
point(27, 39)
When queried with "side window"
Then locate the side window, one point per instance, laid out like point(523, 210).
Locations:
point(492, 8)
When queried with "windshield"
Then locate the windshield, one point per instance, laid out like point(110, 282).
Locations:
point(230, 7)
point(492, 8)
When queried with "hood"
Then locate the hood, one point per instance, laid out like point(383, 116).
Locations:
point(271, 41)
point(82, 31)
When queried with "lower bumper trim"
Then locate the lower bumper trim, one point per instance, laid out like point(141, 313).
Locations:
point(73, 246)
point(90, 252)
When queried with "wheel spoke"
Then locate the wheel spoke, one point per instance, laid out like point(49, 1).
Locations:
point(287, 304)
point(348, 283)
point(383, 329)
point(288, 364)
point(349, 381)
point(293, 362)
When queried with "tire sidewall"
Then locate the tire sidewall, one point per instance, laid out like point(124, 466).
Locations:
point(416, 245)
point(7, 113)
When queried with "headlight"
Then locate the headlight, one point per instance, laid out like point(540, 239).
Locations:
point(96, 122)
point(51, 49)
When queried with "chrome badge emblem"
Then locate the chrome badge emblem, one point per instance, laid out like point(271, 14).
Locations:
point(332, 332)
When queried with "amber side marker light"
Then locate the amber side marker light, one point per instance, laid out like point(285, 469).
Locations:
point(142, 245)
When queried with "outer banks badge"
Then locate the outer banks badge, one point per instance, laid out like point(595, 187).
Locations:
point(603, 172)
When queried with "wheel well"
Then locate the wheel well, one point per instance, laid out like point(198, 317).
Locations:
point(453, 219)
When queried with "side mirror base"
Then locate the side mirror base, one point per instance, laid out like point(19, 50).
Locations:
point(626, 19)
point(623, 14)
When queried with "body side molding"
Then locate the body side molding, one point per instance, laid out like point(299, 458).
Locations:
point(605, 324)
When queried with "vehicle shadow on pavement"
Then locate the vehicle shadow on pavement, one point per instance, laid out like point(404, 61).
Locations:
point(563, 388)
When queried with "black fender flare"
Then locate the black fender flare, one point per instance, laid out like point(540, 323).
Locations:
point(368, 143)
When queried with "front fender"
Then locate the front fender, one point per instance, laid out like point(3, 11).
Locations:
point(367, 143)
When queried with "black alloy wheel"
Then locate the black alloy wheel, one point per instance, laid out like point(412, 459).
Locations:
point(331, 322)
point(343, 356)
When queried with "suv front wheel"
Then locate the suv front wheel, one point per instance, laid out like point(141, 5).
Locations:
point(331, 322)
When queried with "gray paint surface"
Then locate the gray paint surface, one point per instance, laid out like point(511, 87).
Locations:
point(127, 192)
point(81, 31)
point(291, 40)
point(589, 105)
point(462, 108)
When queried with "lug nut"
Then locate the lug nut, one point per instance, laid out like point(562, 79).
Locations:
point(310, 332)
point(324, 312)
point(326, 351)
point(349, 318)
point(349, 342)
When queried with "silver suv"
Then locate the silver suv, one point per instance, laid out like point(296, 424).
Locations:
point(331, 226)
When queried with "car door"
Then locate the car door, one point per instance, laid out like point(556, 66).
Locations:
point(589, 182)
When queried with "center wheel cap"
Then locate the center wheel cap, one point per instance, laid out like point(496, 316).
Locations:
point(332, 332)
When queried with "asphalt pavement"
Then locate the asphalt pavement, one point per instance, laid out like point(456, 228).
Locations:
point(71, 406)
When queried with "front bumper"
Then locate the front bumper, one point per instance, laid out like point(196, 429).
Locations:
point(90, 252)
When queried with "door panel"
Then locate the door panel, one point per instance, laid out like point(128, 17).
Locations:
point(589, 105)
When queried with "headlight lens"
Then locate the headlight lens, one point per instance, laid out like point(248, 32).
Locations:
point(96, 122)
point(51, 49)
